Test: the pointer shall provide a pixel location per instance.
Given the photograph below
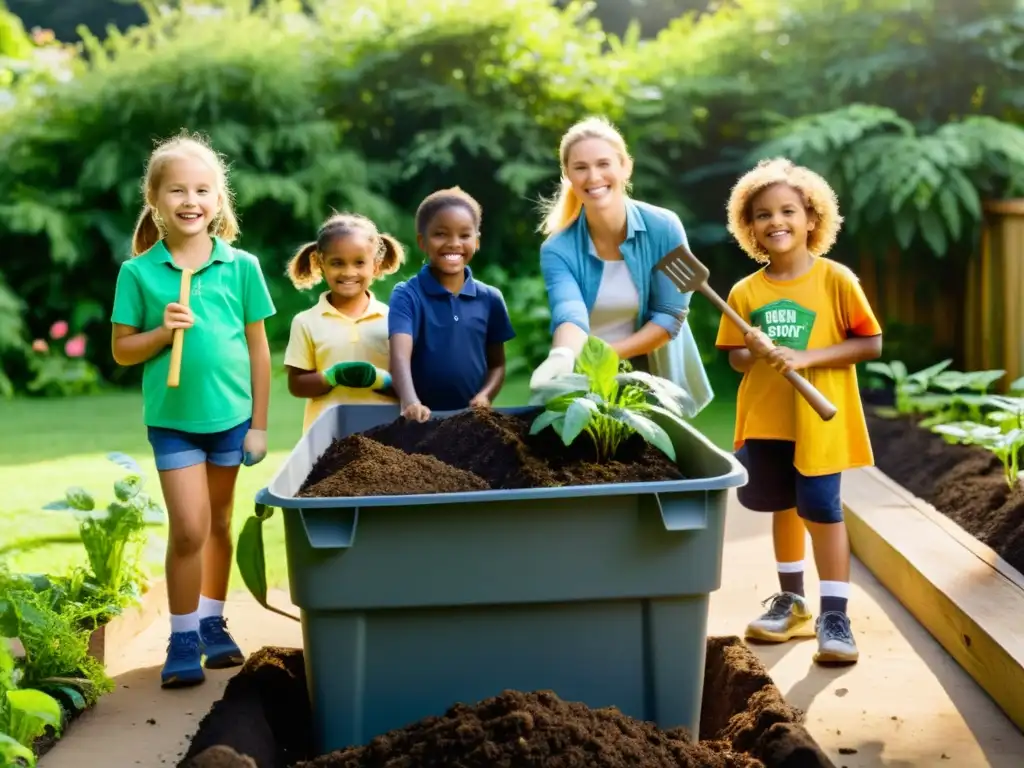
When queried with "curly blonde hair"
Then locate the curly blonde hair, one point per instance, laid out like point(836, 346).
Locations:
point(819, 198)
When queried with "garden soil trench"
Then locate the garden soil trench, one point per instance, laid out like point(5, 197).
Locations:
point(264, 720)
point(964, 483)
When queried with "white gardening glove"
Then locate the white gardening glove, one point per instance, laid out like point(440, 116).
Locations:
point(254, 447)
point(560, 360)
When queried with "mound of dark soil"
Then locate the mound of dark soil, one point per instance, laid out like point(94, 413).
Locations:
point(965, 483)
point(359, 466)
point(480, 445)
point(264, 716)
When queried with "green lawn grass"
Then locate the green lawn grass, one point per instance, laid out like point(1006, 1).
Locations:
point(48, 445)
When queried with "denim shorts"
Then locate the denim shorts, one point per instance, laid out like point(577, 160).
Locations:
point(174, 449)
point(775, 485)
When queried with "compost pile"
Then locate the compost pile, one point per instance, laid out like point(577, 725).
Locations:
point(475, 450)
point(264, 719)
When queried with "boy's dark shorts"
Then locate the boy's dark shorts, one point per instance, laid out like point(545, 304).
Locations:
point(775, 485)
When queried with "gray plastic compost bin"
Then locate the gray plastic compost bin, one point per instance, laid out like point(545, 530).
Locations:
point(410, 604)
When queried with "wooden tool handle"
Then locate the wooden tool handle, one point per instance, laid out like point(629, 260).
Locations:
point(178, 338)
point(821, 404)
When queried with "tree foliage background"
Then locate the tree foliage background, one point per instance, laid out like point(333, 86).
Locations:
point(912, 109)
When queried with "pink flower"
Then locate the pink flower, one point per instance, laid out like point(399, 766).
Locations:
point(59, 330)
point(75, 346)
point(40, 345)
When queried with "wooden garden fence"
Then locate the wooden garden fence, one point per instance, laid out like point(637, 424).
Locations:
point(969, 309)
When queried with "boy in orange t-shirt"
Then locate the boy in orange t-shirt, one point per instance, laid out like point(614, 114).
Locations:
point(810, 315)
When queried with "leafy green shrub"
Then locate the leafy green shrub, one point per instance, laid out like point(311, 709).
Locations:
point(367, 109)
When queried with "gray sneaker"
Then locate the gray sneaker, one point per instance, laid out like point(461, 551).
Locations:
point(835, 639)
point(787, 617)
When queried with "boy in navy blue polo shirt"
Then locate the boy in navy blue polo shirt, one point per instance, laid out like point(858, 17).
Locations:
point(448, 331)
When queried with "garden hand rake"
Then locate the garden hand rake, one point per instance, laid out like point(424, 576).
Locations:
point(178, 338)
point(688, 274)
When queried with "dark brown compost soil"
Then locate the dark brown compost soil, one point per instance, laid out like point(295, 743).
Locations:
point(965, 483)
point(263, 720)
point(474, 450)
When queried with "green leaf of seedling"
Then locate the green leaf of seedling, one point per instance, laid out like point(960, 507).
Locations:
point(126, 461)
point(600, 364)
point(546, 419)
point(128, 488)
point(57, 506)
point(647, 429)
point(68, 695)
point(578, 418)
point(1018, 385)
point(925, 375)
point(11, 751)
point(982, 380)
point(250, 556)
point(667, 394)
point(31, 712)
point(80, 499)
point(566, 384)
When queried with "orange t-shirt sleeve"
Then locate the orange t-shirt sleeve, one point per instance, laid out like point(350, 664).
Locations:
point(858, 316)
point(729, 336)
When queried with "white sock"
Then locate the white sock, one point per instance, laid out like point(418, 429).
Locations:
point(210, 607)
point(836, 589)
point(185, 622)
point(794, 567)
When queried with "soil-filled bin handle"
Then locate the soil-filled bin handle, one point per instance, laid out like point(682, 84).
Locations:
point(330, 528)
point(683, 511)
point(251, 559)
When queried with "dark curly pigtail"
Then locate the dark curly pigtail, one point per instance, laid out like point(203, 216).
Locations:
point(391, 255)
point(303, 269)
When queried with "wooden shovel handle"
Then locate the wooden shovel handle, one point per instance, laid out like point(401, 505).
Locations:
point(821, 404)
point(178, 338)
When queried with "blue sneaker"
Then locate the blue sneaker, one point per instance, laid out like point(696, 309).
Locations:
point(220, 648)
point(184, 661)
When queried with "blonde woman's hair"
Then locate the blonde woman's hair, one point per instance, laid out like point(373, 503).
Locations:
point(561, 210)
point(304, 268)
point(224, 225)
point(819, 199)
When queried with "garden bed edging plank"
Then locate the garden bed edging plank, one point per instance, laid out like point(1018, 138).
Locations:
point(109, 640)
point(959, 589)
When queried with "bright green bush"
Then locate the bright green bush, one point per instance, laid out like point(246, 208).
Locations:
point(372, 105)
point(347, 109)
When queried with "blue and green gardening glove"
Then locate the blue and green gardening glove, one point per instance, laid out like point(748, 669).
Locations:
point(358, 376)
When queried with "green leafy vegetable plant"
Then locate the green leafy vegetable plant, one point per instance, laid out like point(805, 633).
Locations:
point(608, 402)
point(907, 386)
point(113, 536)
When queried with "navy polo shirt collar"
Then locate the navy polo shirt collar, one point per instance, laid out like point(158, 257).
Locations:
point(433, 288)
point(634, 223)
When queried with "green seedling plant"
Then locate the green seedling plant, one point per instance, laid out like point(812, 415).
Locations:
point(15, 745)
point(606, 401)
point(112, 536)
point(909, 388)
point(966, 394)
point(1004, 437)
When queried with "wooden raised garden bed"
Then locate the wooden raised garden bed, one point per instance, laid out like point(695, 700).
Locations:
point(941, 524)
point(109, 639)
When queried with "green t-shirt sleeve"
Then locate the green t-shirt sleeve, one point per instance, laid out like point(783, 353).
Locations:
point(256, 302)
point(128, 303)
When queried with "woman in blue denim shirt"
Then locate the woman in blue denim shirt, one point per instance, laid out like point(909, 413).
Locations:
point(599, 267)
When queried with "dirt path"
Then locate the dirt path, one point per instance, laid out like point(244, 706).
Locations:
point(907, 704)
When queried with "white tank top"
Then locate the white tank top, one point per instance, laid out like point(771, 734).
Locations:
point(613, 317)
